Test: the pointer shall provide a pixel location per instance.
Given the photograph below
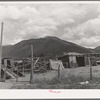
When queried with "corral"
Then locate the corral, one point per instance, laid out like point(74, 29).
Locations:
point(46, 69)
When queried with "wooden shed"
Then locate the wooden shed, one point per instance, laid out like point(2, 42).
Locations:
point(8, 62)
point(72, 60)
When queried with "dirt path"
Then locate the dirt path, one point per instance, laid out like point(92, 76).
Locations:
point(5, 85)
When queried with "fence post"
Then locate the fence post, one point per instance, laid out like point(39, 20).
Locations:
point(59, 71)
point(31, 77)
point(90, 68)
point(5, 73)
point(17, 75)
point(23, 68)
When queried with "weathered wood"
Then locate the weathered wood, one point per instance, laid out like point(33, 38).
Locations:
point(59, 71)
point(17, 75)
point(90, 68)
point(90, 72)
point(5, 73)
point(36, 62)
point(31, 76)
point(1, 48)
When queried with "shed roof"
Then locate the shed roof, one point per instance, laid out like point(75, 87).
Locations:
point(73, 54)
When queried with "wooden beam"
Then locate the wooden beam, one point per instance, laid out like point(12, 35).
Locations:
point(59, 71)
point(90, 68)
point(1, 48)
point(31, 77)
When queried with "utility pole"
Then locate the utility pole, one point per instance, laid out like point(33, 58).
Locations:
point(31, 77)
point(1, 47)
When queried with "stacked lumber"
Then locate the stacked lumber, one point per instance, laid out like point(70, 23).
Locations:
point(41, 64)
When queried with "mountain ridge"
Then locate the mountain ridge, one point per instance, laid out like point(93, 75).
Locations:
point(47, 46)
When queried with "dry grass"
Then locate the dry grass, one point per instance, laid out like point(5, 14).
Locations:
point(69, 79)
point(55, 83)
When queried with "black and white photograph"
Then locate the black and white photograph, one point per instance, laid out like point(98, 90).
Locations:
point(49, 45)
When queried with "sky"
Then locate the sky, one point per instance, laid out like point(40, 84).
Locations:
point(76, 22)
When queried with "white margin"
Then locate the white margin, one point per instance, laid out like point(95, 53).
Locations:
point(44, 93)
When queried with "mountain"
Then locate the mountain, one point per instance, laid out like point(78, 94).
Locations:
point(47, 46)
point(97, 49)
point(92, 50)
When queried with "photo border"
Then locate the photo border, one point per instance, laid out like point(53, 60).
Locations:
point(41, 94)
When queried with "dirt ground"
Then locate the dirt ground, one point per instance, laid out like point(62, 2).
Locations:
point(5, 85)
point(80, 71)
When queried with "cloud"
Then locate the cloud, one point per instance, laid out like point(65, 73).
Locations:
point(86, 34)
point(33, 22)
point(78, 23)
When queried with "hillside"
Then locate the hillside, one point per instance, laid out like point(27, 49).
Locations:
point(92, 50)
point(97, 49)
point(47, 46)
